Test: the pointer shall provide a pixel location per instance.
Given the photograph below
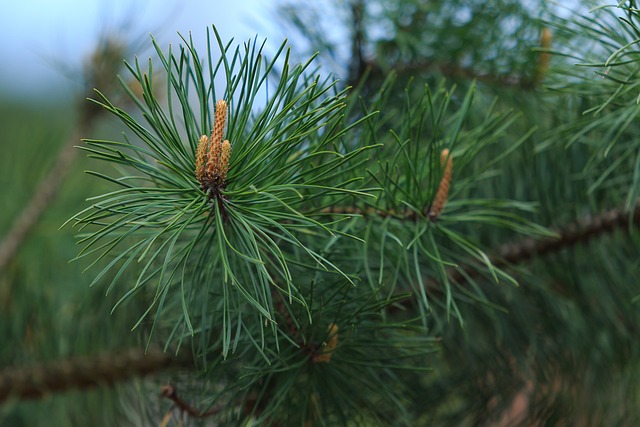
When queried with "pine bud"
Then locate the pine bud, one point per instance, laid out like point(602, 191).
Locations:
point(202, 157)
point(212, 155)
point(213, 164)
point(221, 118)
point(443, 189)
point(545, 57)
point(330, 346)
point(225, 155)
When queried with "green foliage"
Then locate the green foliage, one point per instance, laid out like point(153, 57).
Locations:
point(612, 33)
point(319, 283)
point(304, 211)
point(47, 310)
point(194, 246)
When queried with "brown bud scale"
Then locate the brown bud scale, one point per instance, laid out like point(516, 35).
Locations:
point(443, 189)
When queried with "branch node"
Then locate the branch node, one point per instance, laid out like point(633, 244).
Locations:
point(324, 356)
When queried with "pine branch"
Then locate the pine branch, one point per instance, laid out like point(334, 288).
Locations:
point(357, 67)
point(454, 71)
point(85, 372)
point(169, 391)
point(521, 251)
point(404, 215)
point(45, 193)
point(569, 235)
point(102, 65)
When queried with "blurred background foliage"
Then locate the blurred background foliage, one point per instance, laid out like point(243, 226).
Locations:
point(48, 311)
point(560, 349)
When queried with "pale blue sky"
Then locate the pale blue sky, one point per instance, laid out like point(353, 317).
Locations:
point(36, 33)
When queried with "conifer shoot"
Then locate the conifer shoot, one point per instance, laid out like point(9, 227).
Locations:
point(443, 188)
point(212, 155)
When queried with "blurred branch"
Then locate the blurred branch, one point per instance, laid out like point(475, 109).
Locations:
point(521, 251)
point(357, 67)
point(453, 71)
point(569, 235)
point(99, 71)
point(169, 391)
point(85, 372)
point(44, 194)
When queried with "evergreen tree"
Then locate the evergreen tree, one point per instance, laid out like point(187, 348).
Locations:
point(443, 233)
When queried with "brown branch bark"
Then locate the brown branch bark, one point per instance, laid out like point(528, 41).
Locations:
point(520, 251)
point(357, 66)
point(102, 65)
point(170, 392)
point(46, 190)
point(84, 372)
point(569, 235)
point(512, 253)
point(42, 197)
point(453, 71)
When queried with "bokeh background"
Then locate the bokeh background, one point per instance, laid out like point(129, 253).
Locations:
point(42, 41)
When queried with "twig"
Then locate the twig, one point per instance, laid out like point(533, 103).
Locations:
point(523, 250)
point(405, 214)
point(169, 391)
point(104, 63)
point(290, 325)
point(357, 68)
point(512, 253)
point(455, 71)
point(44, 194)
point(85, 372)
point(569, 235)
